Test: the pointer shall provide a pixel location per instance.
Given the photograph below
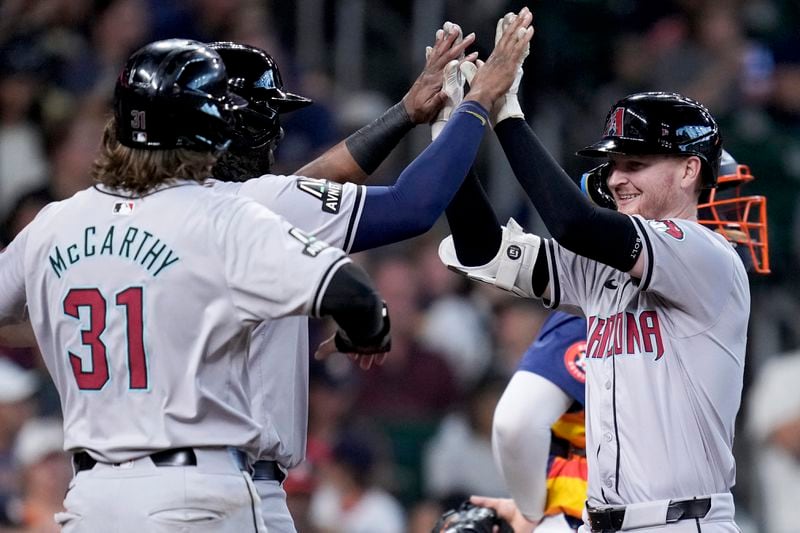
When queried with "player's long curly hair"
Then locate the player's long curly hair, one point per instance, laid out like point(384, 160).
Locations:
point(241, 165)
point(139, 171)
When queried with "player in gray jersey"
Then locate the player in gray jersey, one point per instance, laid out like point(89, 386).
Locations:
point(349, 216)
point(143, 292)
point(352, 217)
point(667, 304)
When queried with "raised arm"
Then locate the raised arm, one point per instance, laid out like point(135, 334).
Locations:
point(355, 158)
point(413, 204)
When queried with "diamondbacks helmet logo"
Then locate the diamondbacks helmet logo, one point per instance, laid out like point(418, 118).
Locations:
point(661, 123)
point(669, 227)
point(615, 123)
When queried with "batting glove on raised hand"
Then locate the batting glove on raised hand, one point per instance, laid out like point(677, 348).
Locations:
point(452, 83)
point(507, 106)
point(453, 86)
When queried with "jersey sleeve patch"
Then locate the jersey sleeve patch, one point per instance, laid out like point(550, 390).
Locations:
point(311, 245)
point(329, 193)
point(669, 227)
point(575, 360)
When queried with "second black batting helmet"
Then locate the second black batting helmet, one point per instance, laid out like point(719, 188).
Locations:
point(174, 94)
point(661, 123)
point(254, 75)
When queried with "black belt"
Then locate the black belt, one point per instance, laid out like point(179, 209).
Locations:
point(611, 519)
point(175, 457)
point(268, 471)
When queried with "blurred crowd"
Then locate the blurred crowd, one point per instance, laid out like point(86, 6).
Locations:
point(392, 447)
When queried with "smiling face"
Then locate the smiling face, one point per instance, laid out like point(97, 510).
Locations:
point(655, 186)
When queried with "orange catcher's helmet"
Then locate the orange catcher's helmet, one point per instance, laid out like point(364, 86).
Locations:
point(740, 219)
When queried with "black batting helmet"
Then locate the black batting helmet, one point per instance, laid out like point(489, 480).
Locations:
point(254, 75)
point(174, 94)
point(661, 123)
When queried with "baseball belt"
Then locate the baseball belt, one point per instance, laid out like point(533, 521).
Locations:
point(174, 457)
point(611, 518)
point(268, 471)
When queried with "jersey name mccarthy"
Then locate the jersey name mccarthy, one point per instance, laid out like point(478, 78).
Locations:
point(131, 243)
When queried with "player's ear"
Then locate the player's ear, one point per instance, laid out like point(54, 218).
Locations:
point(692, 169)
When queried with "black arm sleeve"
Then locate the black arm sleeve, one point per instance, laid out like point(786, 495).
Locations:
point(352, 301)
point(477, 234)
point(476, 231)
point(573, 221)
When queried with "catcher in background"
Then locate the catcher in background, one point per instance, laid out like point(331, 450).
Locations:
point(541, 411)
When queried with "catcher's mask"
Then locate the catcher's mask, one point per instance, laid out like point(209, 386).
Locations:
point(254, 76)
point(740, 219)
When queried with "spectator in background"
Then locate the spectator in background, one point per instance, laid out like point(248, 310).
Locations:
point(45, 473)
point(17, 406)
point(457, 320)
point(22, 160)
point(413, 385)
point(774, 424)
point(347, 500)
point(768, 138)
point(517, 323)
point(458, 460)
point(118, 28)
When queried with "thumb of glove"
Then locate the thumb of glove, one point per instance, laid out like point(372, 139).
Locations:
point(468, 70)
point(453, 87)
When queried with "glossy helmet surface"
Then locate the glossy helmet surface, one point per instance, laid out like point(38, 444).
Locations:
point(655, 123)
point(255, 76)
point(740, 219)
point(174, 94)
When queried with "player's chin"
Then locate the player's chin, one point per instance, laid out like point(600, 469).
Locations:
point(628, 207)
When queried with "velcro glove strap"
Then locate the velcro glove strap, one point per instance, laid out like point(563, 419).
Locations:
point(511, 269)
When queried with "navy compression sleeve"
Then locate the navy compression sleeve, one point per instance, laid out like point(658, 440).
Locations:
point(412, 205)
point(577, 224)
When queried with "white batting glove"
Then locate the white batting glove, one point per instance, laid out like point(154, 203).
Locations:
point(507, 106)
point(452, 83)
point(453, 86)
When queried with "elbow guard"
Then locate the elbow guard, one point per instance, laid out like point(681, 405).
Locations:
point(511, 269)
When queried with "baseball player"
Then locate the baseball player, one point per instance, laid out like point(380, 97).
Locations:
point(348, 216)
point(664, 370)
point(143, 292)
point(546, 394)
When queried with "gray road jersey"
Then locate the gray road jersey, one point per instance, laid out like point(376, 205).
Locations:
point(278, 366)
point(665, 359)
point(144, 310)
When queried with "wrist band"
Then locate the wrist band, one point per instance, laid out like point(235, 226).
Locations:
point(370, 145)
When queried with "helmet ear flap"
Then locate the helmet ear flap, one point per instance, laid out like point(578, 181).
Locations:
point(594, 184)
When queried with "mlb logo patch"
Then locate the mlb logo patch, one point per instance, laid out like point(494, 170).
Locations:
point(139, 137)
point(123, 208)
